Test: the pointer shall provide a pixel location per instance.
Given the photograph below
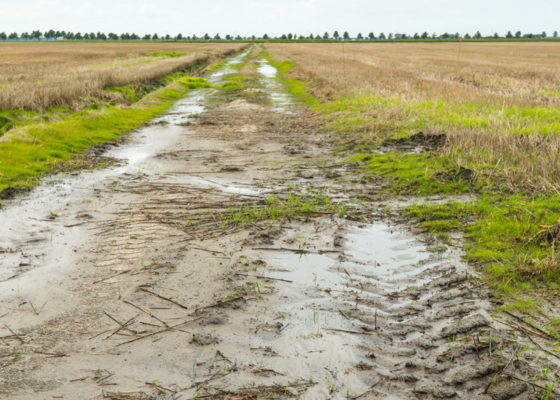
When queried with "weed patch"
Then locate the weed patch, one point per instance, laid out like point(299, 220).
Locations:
point(291, 206)
point(165, 54)
point(194, 83)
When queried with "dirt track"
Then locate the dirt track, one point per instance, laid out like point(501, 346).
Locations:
point(136, 285)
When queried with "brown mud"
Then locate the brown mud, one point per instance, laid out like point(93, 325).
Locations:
point(131, 281)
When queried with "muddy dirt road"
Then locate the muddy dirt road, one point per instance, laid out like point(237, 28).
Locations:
point(129, 282)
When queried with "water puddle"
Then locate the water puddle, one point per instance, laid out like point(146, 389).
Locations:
point(280, 100)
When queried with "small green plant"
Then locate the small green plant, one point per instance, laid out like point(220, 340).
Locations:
point(17, 357)
point(548, 392)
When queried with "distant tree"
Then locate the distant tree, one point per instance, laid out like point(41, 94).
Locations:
point(147, 37)
point(134, 36)
point(25, 36)
point(3, 36)
point(457, 36)
point(283, 37)
point(326, 35)
point(167, 37)
point(217, 37)
point(86, 36)
point(57, 34)
point(477, 35)
point(335, 35)
point(69, 36)
point(544, 34)
point(155, 36)
point(467, 36)
point(434, 35)
point(445, 35)
point(346, 36)
point(390, 36)
point(78, 36)
point(50, 35)
point(371, 36)
point(290, 36)
point(206, 36)
point(265, 37)
point(179, 37)
point(36, 35)
point(300, 37)
point(318, 37)
point(13, 36)
point(555, 34)
point(509, 35)
point(252, 37)
point(425, 35)
point(360, 37)
point(416, 36)
point(518, 34)
point(382, 36)
point(102, 36)
point(238, 38)
point(403, 36)
point(91, 35)
point(194, 37)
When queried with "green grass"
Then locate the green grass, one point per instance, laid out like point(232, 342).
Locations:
point(403, 117)
point(165, 54)
point(29, 151)
point(194, 83)
point(412, 174)
point(510, 237)
point(126, 91)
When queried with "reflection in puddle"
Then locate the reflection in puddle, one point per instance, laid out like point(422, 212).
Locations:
point(374, 253)
point(279, 98)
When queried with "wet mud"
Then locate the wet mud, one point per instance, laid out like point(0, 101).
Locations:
point(128, 281)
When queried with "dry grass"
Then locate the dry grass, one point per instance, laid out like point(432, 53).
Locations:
point(36, 76)
point(525, 74)
point(500, 106)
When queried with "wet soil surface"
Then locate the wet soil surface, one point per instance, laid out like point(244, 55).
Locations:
point(125, 282)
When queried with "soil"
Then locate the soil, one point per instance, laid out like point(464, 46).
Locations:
point(126, 279)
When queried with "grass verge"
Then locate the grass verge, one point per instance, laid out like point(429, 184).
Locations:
point(32, 143)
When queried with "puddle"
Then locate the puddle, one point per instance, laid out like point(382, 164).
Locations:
point(382, 255)
point(280, 99)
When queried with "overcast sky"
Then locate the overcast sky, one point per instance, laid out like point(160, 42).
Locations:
point(275, 17)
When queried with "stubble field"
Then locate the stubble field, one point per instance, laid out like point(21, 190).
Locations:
point(35, 76)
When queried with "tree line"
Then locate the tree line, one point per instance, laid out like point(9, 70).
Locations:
point(62, 35)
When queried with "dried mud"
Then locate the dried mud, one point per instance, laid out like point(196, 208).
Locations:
point(125, 283)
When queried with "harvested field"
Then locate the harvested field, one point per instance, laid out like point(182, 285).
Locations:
point(506, 74)
point(35, 76)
